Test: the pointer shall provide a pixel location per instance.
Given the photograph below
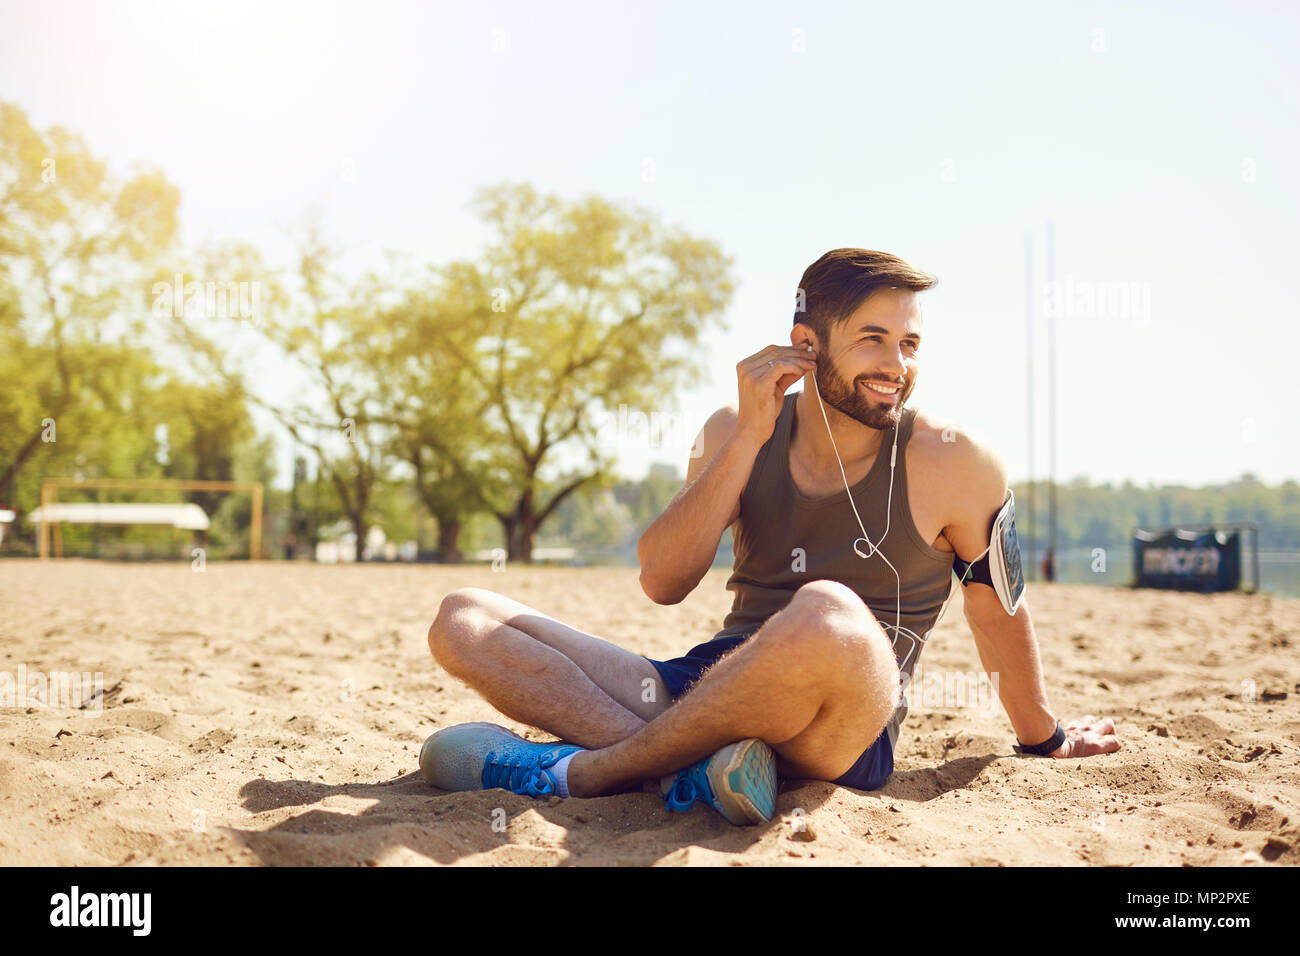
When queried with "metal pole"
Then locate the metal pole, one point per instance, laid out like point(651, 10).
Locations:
point(255, 533)
point(44, 533)
point(1030, 528)
point(1051, 393)
point(1255, 560)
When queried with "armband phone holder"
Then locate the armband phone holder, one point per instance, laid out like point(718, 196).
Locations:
point(999, 566)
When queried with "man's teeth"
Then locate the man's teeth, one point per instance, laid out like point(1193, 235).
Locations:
point(883, 389)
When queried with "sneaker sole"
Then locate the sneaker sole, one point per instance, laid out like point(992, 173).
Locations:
point(743, 778)
point(429, 768)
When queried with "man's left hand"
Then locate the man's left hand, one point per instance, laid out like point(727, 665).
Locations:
point(1088, 737)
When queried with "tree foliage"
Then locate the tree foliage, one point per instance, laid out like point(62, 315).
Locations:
point(477, 392)
point(573, 309)
point(75, 242)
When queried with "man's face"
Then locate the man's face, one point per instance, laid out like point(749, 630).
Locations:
point(876, 346)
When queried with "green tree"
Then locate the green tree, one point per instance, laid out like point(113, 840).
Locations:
point(74, 244)
point(575, 307)
point(315, 322)
point(431, 400)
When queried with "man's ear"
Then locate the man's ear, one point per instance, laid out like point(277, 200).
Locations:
point(803, 335)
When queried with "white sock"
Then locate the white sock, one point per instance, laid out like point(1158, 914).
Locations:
point(560, 771)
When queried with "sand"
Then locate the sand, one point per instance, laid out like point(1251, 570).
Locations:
point(272, 714)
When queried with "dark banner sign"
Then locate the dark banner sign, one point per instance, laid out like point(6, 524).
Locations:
point(1187, 560)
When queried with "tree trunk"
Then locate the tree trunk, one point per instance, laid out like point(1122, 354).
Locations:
point(359, 529)
point(448, 540)
point(519, 538)
point(24, 453)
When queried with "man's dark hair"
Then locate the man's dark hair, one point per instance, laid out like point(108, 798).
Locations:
point(834, 286)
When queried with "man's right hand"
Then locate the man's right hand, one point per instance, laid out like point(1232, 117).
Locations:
point(762, 380)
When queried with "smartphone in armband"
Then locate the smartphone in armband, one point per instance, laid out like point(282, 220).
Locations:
point(1004, 557)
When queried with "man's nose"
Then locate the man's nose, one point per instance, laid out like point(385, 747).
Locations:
point(894, 364)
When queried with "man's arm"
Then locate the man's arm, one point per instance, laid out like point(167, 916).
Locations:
point(678, 548)
point(1007, 645)
point(1008, 650)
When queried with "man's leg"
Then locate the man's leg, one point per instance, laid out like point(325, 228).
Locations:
point(818, 682)
point(541, 672)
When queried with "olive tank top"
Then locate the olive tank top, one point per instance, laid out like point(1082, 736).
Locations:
point(783, 539)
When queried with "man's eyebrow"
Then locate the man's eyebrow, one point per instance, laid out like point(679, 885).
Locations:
point(880, 330)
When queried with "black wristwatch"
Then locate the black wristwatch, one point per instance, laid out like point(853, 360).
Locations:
point(1047, 747)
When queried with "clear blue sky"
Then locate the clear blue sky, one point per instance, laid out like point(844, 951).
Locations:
point(1156, 136)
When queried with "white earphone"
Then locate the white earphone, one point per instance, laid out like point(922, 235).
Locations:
point(874, 549)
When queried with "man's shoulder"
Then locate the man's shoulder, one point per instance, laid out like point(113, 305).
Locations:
point(960, 456)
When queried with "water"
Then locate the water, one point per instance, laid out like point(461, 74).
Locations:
point(1279, 571)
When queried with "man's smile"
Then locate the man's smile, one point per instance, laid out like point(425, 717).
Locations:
point(884, 390)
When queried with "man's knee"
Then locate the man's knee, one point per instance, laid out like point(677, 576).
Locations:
point(831, 624)
point(452, 634)
point(831, 610)
point(828, 598)
point(834, 627)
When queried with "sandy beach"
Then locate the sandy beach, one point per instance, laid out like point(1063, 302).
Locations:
point(272, 714)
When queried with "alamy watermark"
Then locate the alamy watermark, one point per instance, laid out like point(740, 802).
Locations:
point(659, 430)
point(1094, 299)
point(943, 689)
point(129, 910)
point(209, 300)
point(69, 690)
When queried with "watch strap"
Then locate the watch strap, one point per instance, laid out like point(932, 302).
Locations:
point(1048, 746)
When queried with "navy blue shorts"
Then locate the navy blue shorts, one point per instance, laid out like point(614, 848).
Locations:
point(872, 768)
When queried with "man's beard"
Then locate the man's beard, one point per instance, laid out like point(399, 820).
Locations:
point(850, 399)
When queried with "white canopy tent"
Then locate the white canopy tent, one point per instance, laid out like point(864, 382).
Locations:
point(186, 516)
point(52, 514)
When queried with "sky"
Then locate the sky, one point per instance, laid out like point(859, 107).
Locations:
point(1155, 138)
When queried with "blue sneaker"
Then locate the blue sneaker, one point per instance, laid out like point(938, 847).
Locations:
point(482, 756)
point(739, 781)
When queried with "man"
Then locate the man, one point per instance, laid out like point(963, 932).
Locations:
point(804, 679)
